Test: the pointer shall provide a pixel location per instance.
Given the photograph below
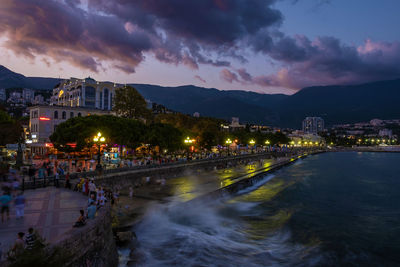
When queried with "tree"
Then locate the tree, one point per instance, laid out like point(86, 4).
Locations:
point(10, 130)
point(165, 136)
point(130, 104)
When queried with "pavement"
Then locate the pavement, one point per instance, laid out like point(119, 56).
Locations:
point(51, 211)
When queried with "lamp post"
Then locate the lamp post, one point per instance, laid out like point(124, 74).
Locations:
point(188, 142)
point(228, 142)
point(252, 142)
point(98, 139)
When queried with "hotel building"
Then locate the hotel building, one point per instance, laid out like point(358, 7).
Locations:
point(313, 125)
point(84, 93)
point(70, 98)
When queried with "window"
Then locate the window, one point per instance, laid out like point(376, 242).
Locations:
point(79, 114)
point(111, 96)
point(101, 100)
point(106, 98)
point(56, 114)
point(90, 96)
point(64, 115)
point(71, 114)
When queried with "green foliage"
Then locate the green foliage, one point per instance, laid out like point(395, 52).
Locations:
point(10, 130)
point(81, 130)
point(129, 103)
point(165, 136)
point(116, 130)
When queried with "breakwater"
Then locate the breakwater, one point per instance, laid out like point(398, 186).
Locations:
point(250, 181)
point(136, 177)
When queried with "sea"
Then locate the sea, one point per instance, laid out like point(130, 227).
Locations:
point(330, 209)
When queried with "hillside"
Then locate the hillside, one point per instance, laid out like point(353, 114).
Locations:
point(9, 79)
point(336, 104)
point(342, 104)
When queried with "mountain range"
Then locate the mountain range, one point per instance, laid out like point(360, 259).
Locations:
point(335, 104)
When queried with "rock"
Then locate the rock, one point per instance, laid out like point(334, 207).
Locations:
point(124, 238)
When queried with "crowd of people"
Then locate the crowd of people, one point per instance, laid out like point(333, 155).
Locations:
point(97, 198)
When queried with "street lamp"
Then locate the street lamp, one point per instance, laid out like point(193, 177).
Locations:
point(188, 142)
point(252, 142)
point(228, 142)
point(98, 139)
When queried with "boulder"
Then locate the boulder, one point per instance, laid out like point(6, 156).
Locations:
point(124, 237)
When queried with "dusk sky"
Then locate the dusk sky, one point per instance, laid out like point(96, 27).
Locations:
point(269, 46)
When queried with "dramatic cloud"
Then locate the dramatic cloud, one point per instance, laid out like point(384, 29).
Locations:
point(326, 61)
point(96, 34)
point(90, 32)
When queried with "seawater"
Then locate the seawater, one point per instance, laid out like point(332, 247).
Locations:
point(331, 209)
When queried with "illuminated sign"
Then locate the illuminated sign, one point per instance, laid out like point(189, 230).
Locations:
point(49, 145)
point(28, 141)
point(44, 118)
point(33, 135)
point(61, 93)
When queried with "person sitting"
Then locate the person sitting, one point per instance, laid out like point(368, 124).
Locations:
point(18, 247)
point(30, 239)
point(81, 220)
point(91, 210)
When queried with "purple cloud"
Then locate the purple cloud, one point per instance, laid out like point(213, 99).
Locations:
point(200, 79)
point(325, 61)
point(120, 31)
point(88, 34)
point(228, 76)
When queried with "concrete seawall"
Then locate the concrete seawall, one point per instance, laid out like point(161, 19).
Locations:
point(90, 245)
point(248, 182)
point(133, 177)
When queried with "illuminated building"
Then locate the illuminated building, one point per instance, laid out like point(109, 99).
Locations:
point(43, 120)
point(313, 125)
point(84, 93)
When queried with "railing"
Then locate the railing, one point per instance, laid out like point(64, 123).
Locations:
point(35, 182)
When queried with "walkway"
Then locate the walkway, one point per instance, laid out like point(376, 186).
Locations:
point(52, 211)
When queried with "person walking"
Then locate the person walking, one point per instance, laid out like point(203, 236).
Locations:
point(57, 179)
point(5, 200)
point(19, 205)
point(67, 181)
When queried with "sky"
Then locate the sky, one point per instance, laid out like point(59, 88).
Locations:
point(266, 46)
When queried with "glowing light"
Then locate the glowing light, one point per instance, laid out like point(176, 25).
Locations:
point(48, 145)
point(102, 139)
point(60, 93)
point(267, 142)
point(44, 118)
point(188, 140)
point(228, 141)
point(252, 142)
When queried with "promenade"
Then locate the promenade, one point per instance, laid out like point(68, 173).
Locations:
point(51, 211)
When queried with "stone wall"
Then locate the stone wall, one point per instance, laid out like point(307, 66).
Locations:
point(90, 245)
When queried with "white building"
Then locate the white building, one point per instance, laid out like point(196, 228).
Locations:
point(84, 93)
point(39, 100)
point(43, 120)
point(313, 125)
point(386, 133)
point(28, 95)
point(196, 115)
point(235, 125)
